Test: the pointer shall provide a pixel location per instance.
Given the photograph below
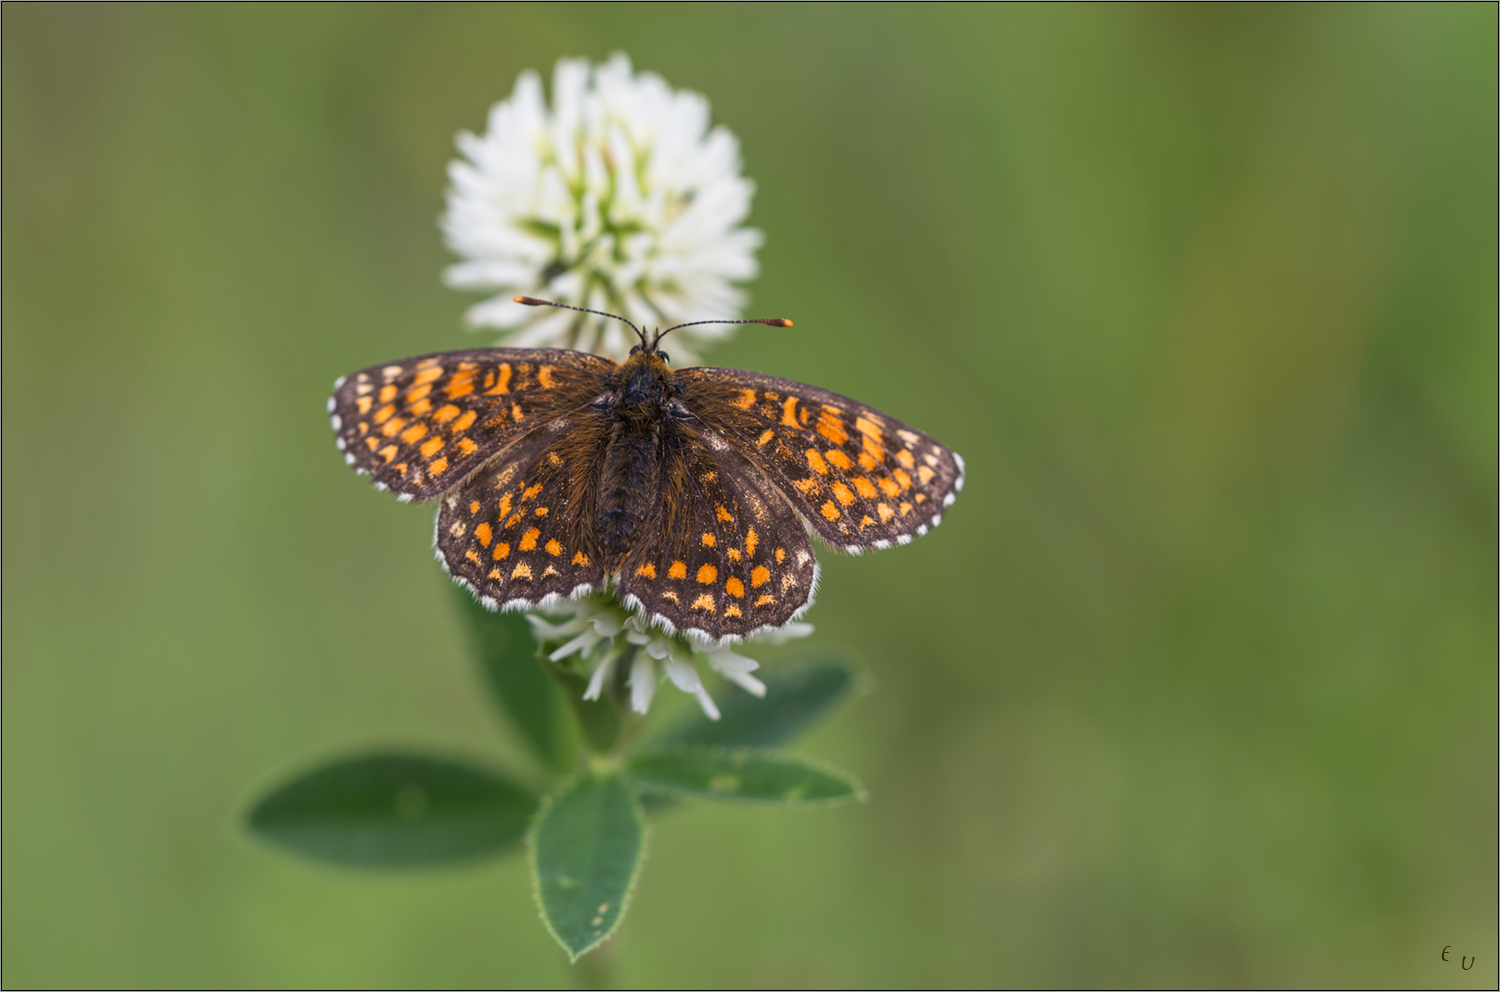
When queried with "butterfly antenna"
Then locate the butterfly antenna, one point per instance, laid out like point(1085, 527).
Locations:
point(532, 301)
point(770, 321)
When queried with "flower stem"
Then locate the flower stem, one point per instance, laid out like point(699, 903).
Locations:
point(599, 720)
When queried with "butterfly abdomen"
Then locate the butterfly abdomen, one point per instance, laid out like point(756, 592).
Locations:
point(628, 485)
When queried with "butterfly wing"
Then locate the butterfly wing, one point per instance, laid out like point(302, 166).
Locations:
point(859, 478)
point(725, 555)
point(513, 531)
point(420, 426)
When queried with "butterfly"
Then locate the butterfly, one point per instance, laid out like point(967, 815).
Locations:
point(691, 491)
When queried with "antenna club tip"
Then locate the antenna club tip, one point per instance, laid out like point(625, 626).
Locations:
point(530, 301)
point(781, 322)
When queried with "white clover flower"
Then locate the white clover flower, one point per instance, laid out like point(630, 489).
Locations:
point(618, 198)
point(599, 631)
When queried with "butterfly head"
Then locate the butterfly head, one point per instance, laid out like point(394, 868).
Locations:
point(645, 381)
point(651, 350)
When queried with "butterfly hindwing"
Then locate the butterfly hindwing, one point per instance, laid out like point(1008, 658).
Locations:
point(420, 426)
point(861, 479)
point(511, 531)
point(725, 556)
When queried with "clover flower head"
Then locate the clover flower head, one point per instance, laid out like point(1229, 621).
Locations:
point(618, 197)
point(599, 631)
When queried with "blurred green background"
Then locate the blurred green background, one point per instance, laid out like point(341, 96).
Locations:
point(1195, 685)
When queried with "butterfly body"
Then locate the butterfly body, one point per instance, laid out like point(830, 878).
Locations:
point(691, 490)
point(637, 434)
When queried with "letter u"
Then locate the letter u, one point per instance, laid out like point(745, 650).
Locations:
point(1470, 964)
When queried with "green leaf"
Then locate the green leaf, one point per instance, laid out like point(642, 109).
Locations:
point(521, 685)
point(797, 696)
point(394, 811)
point(586, 850)
point(744, 775)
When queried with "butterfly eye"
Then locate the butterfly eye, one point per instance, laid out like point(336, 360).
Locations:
point(634, 349)
point(665, 357)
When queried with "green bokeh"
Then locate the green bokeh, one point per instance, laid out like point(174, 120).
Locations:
point(1195, 685)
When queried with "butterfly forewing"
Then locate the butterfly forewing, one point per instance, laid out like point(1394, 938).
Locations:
point(513, 531)
point(860, 478)
point(420, 426)
point(727, 556)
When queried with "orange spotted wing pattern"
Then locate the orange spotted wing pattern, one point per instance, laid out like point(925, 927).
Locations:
point(727, 555)
point(561, 472)
point(511, 531)
point(860, 478)
point(422, 425)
